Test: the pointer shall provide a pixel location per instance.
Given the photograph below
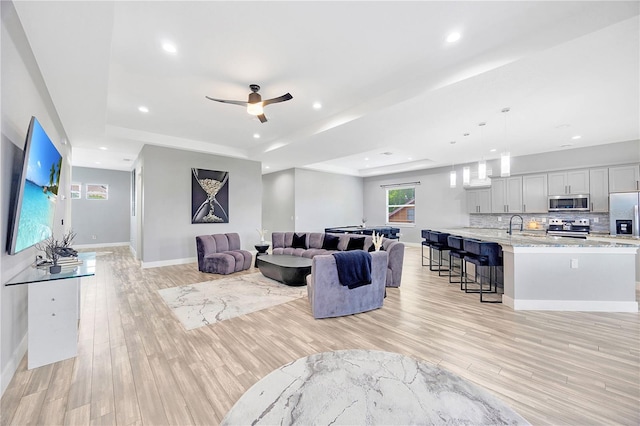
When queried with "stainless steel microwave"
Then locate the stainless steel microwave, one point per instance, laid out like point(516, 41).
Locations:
point(562, 203)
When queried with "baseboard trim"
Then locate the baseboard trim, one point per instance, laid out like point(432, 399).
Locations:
point(170, 262)
point(12, 366)
point(570, 305)
point(89, 246)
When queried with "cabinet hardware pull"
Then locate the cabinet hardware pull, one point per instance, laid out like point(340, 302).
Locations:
point(524, 208)
point(53, 315)
point(53, 299)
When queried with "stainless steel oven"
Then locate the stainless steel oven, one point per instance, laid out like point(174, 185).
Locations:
point(562, 203)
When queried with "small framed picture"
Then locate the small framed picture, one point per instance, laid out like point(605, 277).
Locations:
point(97, 191)
point(76, 191)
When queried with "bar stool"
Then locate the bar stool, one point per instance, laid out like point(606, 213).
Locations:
point(425, 243)
point(482, 254)
point(439, 244)
point(455, 244)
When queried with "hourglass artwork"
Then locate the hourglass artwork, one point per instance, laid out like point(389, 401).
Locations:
point(209, 196)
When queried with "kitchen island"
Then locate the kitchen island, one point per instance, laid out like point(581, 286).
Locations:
point(563, 274)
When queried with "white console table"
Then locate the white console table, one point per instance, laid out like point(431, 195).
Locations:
point(54, 310)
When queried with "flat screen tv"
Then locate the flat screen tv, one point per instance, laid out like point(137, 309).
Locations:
point(35, 201)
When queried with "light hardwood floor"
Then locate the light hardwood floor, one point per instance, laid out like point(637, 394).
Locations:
point(137, 365)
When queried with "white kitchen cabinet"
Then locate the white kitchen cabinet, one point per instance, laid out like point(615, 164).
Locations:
point(599, 189)
point(624, 178)
point(506, 195)
point(534, 194)
point(479, 201)
point(569, 182)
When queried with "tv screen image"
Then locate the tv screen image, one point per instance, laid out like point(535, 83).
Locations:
point(35, 202)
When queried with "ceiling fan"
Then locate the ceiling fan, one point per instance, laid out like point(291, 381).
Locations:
point(255, 103)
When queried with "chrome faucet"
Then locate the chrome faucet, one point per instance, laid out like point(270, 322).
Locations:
point(510, 231)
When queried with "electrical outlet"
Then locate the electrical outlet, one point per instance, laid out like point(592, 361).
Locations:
point(93, 237)
point(596, 220)
point(499, 218)
point(544, 220)
point(574, 263)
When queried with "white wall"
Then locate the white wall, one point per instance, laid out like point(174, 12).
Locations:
point(168, 236)
point(23, 94)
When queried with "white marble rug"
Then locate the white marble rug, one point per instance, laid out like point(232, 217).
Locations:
point(361, 387)
point(197, 305)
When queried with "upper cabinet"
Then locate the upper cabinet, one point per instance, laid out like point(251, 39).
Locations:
point(506, 195)
point(624, 178)
point(479, 201)
point(569, 182)
point(599, 190)
point(534, 194)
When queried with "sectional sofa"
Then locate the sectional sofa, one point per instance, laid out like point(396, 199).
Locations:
point(310, 244)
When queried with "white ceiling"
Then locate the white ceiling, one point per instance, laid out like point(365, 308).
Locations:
point(387, 79)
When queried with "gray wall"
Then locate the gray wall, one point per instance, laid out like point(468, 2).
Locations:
point(107, 220)
point(278, 202)
point(168, 237)
point(23, 94)
point(326, 200)
point(438, 206)
point(306, 200)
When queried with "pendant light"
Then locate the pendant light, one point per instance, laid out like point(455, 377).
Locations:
point(453, 176)
point(466, 176)
point(505, 157)
point(482, 165)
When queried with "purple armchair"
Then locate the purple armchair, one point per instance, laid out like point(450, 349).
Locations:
point(221, 254)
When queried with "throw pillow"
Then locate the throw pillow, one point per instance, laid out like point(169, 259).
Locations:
point(330, 242)
point(299, 241)
point(373, 248)
point(356, 243)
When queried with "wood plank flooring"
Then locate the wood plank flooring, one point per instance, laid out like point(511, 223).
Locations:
point(138, 366)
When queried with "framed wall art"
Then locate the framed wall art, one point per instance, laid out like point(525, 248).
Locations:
point(97, 191)
point(209, 196)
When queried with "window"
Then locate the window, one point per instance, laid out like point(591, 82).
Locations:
point(76, 191)
point(401, 205)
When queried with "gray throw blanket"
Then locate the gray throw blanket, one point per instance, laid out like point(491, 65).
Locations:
point(354, 268)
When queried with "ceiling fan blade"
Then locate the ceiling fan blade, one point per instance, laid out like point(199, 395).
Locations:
point(278, 99)
point(262, 118)
point(224, 101)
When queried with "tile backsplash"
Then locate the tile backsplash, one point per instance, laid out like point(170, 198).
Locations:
point(599, 221)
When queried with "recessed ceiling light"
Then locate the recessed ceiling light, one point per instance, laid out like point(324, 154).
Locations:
point(317, 105)
point(266, 167)
point(143, 108)
point(409, 158)
point(453, 37)
point(256, 135)
point(366, 158)
point(104, 148)
point(566, 145)
point(576, 137)
point(97, 162)
point(492, 150)
point(169, 47)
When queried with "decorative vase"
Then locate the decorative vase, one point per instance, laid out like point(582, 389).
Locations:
point(55, 269)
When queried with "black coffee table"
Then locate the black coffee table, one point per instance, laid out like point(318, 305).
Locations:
point(289, 270)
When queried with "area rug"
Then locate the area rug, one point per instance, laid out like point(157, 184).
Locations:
point(358, 387)
point(197, 305)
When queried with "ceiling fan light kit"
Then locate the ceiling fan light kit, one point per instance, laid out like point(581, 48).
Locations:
point(255, 105)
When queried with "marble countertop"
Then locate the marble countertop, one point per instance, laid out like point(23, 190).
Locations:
point(534, 238)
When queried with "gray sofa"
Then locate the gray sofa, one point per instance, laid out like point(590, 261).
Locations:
point(328, 298)
point(221, 254)
point(283, 243)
